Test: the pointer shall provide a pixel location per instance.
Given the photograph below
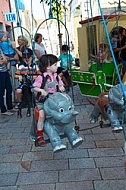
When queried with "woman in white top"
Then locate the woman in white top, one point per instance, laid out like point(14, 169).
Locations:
point(39, 48)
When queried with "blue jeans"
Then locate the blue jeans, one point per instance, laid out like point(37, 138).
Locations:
point(5, 84)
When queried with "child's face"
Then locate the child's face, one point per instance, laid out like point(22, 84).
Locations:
point(4, 38)
point(53, 68)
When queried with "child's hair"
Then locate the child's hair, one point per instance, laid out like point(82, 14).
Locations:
point(65, 48)
point(45, 61)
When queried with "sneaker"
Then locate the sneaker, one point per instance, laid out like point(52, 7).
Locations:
point(59, 148)
point(7, 113)
point(117, 129)
point(77, 142)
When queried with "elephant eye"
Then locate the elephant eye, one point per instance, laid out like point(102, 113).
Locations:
point(69, 108)
point(61, 110)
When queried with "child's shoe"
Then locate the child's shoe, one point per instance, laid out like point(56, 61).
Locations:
point(40, 138)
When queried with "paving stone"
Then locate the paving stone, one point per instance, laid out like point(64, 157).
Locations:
point(12, 168)
point(9, 188)
point(85, 125)
point(85, 131)
point(110, 185)
point(109, 143)
point(119, 136)
point(48, 147)
point(11, 125)
point(20, 136)
point(104, 152)
point(94, 137)
point(113, 173)
point(79, 175)
point(32, 156)
point(84, 185)
point(12, 142)
point(12, 130)
point(8, 179)
point(3, 119)
point(49, 165)
point(10, 157)
point(71, 154)
point(109, 162)
point(5, 136)
point(102, 130)
point(20, 149)
point(37, 178)
point(81, 163)
point(4, 149)
point(37, 187)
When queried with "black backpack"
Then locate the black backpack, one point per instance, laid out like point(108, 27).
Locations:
point(39, 98)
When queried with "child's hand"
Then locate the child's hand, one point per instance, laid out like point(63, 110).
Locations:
point(64, 70)
point(61, 88)
point(43, 92)
point(20, 78)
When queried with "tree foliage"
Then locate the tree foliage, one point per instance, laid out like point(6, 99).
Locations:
point(57, 8)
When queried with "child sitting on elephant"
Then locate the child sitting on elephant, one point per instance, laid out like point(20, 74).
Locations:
point(47, 83)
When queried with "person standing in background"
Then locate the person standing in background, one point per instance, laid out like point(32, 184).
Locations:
point(8, 50)
point(11, 55)
point(5, 84)
point(39, 47)
point(66, 62)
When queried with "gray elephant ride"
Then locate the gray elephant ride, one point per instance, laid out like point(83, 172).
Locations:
point(112, 107)
point(60, 115)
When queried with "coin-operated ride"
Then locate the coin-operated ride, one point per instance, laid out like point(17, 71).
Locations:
point(60, 115)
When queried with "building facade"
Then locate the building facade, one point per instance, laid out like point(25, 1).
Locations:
point(4, 8)
point(81, 10)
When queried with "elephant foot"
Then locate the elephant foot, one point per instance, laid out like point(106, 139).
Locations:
point(93, 120)
point(59, 148)
point(77, 142)
point(117, 129)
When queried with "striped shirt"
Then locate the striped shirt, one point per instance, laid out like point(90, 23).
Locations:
point(3, 67)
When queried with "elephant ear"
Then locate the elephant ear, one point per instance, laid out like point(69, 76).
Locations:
point(115, 95)
point(48, 111)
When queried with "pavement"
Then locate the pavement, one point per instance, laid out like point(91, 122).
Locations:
point(97, 164)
